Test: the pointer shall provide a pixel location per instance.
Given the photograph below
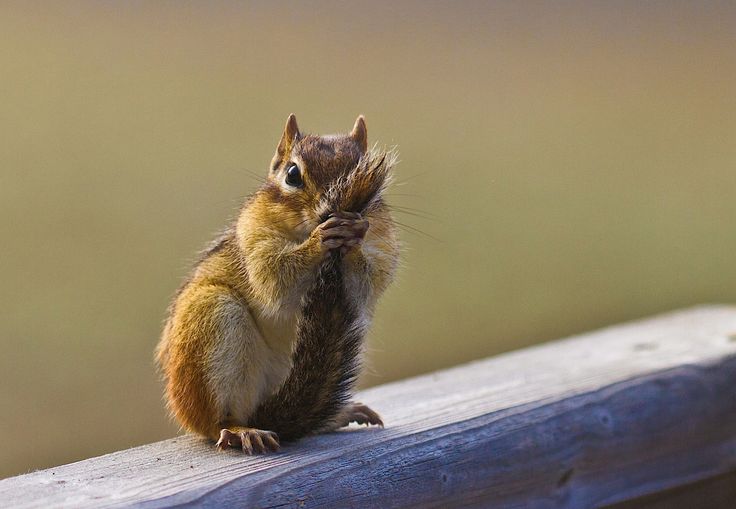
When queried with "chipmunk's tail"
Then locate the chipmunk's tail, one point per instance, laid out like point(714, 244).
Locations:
point(326, 361)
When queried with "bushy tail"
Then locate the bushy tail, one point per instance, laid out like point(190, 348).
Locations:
point(326, 361)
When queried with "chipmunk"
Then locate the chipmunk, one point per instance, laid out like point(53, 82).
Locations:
point(263, 342)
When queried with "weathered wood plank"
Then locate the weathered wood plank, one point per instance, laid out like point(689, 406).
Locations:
point(592, 420)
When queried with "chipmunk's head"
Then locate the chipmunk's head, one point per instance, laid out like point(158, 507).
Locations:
point(313, 176)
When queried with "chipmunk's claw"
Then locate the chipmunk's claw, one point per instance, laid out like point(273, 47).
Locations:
point(360, 414)
point(250, 440)
point(343, 230)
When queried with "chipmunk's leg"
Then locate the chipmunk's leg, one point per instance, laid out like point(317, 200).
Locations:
point(212, 358)
point(358, 413)
point(251, 440)
point(235, 377)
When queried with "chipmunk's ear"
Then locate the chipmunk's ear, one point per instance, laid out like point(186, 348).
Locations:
point(360, 133)
point(291, 134)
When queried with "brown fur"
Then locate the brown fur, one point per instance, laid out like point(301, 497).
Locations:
point(253, 318)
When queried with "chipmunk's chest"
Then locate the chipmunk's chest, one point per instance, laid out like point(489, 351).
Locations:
point(278, 336)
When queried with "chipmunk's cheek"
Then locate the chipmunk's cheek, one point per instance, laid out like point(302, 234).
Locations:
point(304, 224)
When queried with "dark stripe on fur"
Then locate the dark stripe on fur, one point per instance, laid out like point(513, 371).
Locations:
point(326, 361)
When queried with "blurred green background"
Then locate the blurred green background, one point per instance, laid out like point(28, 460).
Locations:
point(569, 164)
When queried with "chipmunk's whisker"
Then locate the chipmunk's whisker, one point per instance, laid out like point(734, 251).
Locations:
point(414, 212)
point(404, 195)
point(404, 181)
point(257, 177)
point(408, 228)
point(380, 237)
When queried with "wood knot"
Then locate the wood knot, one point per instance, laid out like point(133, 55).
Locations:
point(565, 478)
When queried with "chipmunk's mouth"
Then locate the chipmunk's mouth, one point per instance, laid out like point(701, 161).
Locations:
point(323, 211)
point(324, 216)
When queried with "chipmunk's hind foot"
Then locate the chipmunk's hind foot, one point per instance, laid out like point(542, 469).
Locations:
point(250, 440)
point(360, 414)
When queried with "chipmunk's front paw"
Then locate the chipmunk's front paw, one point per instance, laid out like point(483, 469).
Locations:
point(361, 414)
point(251, 440)
point(343, 230)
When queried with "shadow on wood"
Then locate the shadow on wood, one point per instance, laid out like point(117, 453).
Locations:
point(714, 493)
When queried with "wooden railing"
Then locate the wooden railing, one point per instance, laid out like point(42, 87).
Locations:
point(643, 409)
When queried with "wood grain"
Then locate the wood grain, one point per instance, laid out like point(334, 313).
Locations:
point(592, 420)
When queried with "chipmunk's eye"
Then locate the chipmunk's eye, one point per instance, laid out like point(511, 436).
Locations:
point(294, 176)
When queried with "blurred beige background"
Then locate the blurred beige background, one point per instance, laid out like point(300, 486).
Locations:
point(570, 164)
